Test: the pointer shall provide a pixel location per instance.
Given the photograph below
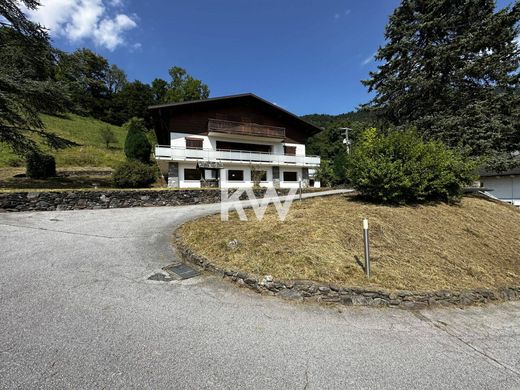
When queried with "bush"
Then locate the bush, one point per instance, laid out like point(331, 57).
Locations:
point(325, 174)
point(137, 146)
point(402, 168)
point(14, 162)
point(134, 174)
point(40, 166)
point(107, 136)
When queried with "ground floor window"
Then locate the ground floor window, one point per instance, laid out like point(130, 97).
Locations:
point(191, 174)
point(235, 175)
point(311, 182)
point(290, 176)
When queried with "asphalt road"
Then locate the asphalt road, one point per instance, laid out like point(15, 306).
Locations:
point(77, 311)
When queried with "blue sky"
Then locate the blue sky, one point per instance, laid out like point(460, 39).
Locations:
point(306, 56)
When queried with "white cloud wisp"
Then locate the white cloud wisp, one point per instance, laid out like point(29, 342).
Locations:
point(79, 20)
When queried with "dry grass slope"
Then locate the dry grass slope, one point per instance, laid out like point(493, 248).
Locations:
point(474, 244)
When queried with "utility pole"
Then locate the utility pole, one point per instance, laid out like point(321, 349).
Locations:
point(346, 141)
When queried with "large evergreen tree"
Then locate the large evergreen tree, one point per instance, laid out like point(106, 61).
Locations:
point(27, 86)
point(450, 68)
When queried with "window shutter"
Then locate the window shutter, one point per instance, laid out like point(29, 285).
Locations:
point(194, 143)
point(289, 150)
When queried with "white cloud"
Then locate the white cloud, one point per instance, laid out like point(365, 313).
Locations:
point(79, 20)
point(338, 15)
point(368, 60)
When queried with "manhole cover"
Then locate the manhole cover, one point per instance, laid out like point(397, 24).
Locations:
point(182, 271)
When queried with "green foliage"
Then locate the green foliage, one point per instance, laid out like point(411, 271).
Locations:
point(137, 146)
point(134, 174)
point(85, 74)
point(116, 79)
point(325, 174)
point(40, 165)
point(450, 69)
point(402, 168)
point(328, 143)
point(107, 136)
point(159, 90)
point(132, 100)
point(27, 63)
point(181, 88)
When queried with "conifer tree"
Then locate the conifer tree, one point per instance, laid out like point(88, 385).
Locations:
point(450, 68)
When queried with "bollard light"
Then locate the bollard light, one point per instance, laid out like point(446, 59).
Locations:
point(367, 247)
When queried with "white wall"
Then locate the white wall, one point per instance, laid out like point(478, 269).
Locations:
point(506, 188)
point(290, 184)
point(187, 183)
point(247, 182)
point(179, 140)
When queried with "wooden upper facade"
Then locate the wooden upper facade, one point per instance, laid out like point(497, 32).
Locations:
point(245, 114)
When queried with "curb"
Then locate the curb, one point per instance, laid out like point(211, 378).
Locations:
point(300, 290)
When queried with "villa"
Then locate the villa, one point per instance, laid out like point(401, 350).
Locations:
point(233, 141)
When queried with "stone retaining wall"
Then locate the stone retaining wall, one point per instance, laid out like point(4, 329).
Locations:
point(307, 290)
point(99, 199)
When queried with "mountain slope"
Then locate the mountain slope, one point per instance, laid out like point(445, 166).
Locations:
point(91, 151)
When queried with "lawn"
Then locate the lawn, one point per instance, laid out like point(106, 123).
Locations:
point(85, 166)
point(473, 244)
point(91, 151)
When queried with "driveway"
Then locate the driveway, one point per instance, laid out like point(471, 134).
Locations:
point(77, 311)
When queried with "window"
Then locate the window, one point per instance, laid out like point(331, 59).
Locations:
point(290, 176)
point(225, 145)
point(235, 175)
point(289, 150)
point(191, 174)
point(194, 143)
point(259, 175)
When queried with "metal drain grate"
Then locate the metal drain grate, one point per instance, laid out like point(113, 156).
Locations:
point(182, 271)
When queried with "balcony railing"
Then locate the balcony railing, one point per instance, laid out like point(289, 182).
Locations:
point(241, 128)
point(184, 154)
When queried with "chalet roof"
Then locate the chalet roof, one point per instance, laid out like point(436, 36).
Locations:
point(307, 126)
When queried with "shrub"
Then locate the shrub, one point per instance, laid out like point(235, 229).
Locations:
point(402, 168)
point(325, 174)
point(40, 165)
point(134, 174)
point(14, 162)
point(137, 146)
point(107, 136)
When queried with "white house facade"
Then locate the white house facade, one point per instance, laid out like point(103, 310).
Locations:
point(503, 185)
point(233, 142)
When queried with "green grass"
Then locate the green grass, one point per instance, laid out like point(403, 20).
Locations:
point(84, 131)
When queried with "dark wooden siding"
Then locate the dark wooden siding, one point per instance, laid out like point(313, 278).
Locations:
point(193, 119)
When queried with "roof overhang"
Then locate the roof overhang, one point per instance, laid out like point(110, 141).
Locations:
point(308, 127)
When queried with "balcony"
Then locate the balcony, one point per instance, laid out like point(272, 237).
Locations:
point(241, 128)
point(235, 156)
